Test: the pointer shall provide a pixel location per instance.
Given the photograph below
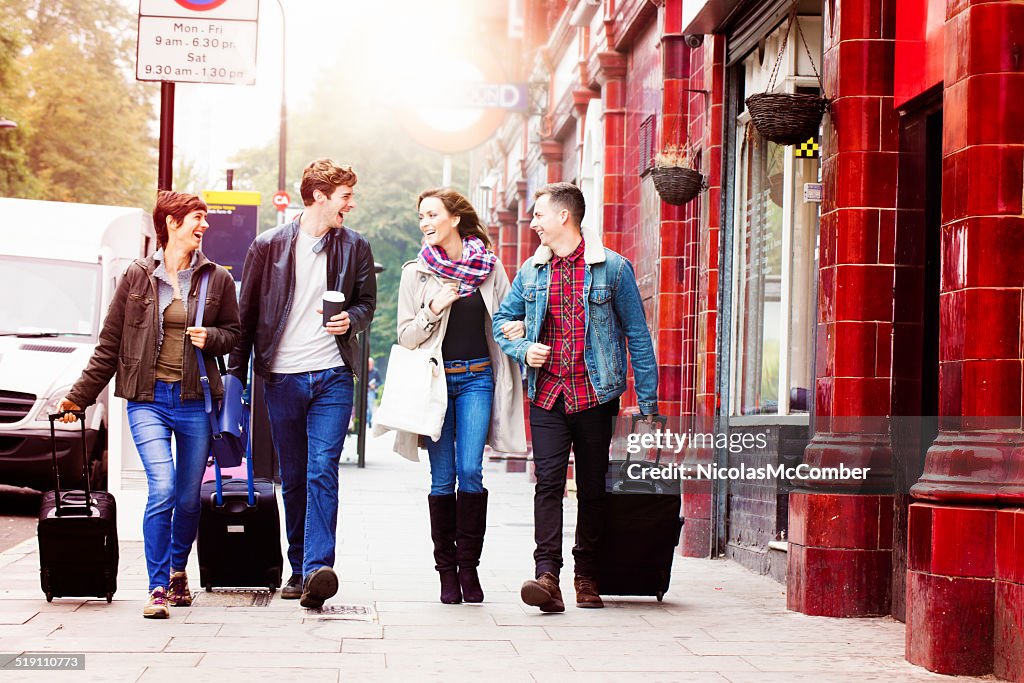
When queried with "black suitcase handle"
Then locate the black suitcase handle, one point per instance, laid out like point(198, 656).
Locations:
point(86, 508)
point(661, 420)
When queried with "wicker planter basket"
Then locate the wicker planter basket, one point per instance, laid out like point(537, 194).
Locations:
point(677, 185)
point(786, 118)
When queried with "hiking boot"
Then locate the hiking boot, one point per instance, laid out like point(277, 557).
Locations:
point(321, 584)
point(156, 604)
point(293, 589)
point(178, 594)
point(543, 592)
point(586, 593)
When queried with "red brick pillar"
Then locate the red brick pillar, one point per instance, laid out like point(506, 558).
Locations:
point(840, 549)
point(689, 267)
point(1008, 626)
point(611, 75)
point(978, 457)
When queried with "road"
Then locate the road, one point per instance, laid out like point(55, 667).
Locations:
point(18, 510)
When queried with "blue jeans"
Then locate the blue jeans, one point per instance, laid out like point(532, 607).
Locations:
point(308, 420)
point(371, 406)
point(460, 450)
point(171, 519)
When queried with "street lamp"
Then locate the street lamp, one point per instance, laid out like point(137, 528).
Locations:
point(282, 138)
point(7, 123)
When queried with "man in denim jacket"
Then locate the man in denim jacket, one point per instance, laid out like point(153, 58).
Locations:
point(582, 308)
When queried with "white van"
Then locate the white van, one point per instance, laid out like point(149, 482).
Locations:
point(59, 267)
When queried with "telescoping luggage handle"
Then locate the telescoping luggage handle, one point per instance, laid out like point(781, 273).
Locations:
point(219, 495)
point(80, 414)
point(204, 380)
point(660, 421)
point(642, 486)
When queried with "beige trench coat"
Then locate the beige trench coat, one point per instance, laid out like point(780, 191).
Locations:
point(417, 325)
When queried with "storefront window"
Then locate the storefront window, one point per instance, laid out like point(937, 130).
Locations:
point(759, 256)
point(774, 253)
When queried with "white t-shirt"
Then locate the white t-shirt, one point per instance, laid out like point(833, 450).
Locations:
point(306, 345)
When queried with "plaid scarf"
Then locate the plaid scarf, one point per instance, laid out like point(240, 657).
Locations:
point(474, 267)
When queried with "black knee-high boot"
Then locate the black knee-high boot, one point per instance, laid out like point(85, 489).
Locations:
point(442, 532)
point(470, 525)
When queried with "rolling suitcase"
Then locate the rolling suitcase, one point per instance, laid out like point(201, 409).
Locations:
point(641, 530)
point(239, 533)
point(77, 533)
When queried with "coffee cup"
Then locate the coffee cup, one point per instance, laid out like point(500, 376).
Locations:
point(334, 303)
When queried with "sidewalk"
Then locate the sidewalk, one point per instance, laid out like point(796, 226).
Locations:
point(718, 623)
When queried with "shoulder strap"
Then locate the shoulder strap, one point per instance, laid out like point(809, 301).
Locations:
point(204, 378)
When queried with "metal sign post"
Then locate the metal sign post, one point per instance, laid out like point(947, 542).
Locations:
point(193, 41)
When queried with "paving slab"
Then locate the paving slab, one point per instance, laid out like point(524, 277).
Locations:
point(719, 623)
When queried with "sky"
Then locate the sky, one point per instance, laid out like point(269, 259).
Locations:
point(212, 122)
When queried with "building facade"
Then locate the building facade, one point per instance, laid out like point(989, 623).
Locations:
point(826, 294)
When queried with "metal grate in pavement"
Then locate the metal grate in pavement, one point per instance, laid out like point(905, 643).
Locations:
point(350, 612)
point(232, 598)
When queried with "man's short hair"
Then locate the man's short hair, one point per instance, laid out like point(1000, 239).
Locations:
point(565, 196)
point(324, 175)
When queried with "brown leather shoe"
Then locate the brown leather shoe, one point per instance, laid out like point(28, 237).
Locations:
point(543, 592)
point(586, 593)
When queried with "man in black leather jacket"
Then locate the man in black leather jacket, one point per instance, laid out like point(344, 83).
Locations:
point(308, 367)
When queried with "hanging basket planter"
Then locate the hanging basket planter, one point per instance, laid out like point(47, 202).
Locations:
point(786, 118)
point(677, 185)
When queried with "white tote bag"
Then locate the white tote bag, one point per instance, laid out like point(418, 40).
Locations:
point(415, 392)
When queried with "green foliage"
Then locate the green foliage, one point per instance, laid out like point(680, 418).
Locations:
point(84, 122)
point(392, 171)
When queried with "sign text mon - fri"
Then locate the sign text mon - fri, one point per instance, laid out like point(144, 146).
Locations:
point(197, 41)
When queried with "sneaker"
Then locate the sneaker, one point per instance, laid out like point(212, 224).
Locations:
point(586, 592)
point(293, 589)
point(156, 604)
point(321, 584)
point(178, 594)
point(543, 592)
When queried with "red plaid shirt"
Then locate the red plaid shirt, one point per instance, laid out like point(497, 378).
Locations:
point(564, 330)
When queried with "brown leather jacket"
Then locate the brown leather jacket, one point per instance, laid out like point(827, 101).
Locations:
point(127, 343)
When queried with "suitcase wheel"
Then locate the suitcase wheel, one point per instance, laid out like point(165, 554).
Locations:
point(110, 597)
point(273, 580)
point(209, 589)
point(661, 595)
point(49, 596)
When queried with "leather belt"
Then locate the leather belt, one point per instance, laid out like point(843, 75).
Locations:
point(459, 369)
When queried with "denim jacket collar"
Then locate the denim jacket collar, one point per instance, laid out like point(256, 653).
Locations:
point(593, 250)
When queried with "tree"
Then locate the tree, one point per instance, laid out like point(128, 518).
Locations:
point(392, 171)
point(14, 174)
point(84, 123)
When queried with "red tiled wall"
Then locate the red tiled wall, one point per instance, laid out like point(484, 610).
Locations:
point(982, 238)
point(855, 315)
point(858, 211)
point(642, 98)
point(968, 556)
point(698, 230)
